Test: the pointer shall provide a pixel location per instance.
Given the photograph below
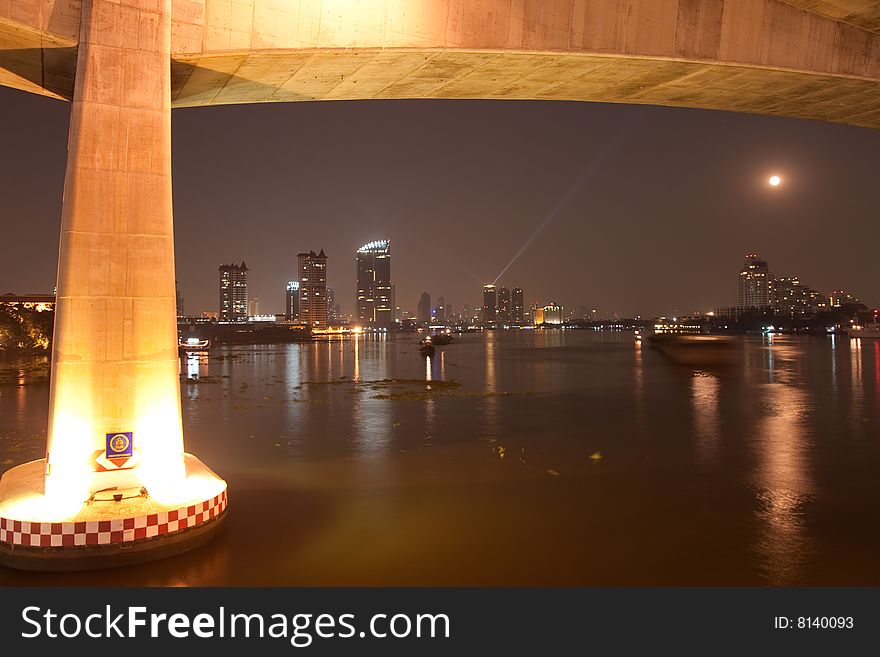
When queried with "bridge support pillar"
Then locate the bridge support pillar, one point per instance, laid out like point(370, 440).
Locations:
point(115, 446)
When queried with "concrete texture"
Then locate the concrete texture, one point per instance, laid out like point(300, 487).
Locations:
point(114, 360)
point(815, 59)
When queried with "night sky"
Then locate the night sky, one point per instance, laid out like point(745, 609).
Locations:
point(644, 210)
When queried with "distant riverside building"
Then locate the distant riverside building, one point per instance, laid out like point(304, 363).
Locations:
point(549, 314)
point(374, 307)
point(755, 283)
point(179, 299)
point(254, 307)
point(313, 289)
point(334, 316)
point(35, 302)
point(490, 303)
point(517, 307)
point(291, 304)
point(423, 310)
point(537, 315)
point(233, 293)
point(840, 298)
point(791, 297)
point(503, 311)
point(440, 315)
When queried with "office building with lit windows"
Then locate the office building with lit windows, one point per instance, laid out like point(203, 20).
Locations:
point(517, 308)
point(373, 302)
point(312, 268)
point(503, 313)
point(233, 293)
point(755, 283)
point(423, 309)
point(490, 303)
point(291, 305)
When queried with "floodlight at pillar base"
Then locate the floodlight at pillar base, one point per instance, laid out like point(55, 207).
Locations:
point(105, 534)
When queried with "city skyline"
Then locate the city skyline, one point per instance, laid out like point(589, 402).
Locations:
point(633, 239)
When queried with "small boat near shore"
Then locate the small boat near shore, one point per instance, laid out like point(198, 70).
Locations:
point(697, 350)
point(192, 345)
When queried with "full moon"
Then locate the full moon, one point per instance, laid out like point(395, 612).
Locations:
point(774, 181)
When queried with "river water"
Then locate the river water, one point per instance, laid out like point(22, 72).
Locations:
point(518, 458)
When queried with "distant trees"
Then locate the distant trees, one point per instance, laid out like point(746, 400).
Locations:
point(23, 329)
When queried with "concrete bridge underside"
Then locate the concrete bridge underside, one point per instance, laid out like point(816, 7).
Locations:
point(124, 64)
point(817, 59)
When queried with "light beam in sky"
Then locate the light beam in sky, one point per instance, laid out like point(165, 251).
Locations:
point(579, 182)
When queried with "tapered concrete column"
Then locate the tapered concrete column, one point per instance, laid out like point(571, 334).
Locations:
point(114, 361)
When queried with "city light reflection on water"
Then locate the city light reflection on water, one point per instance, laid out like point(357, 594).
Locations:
point(360, 461)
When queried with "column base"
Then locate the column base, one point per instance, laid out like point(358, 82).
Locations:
point(105, 532)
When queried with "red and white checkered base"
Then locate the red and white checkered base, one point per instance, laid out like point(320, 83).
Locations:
point(109, 533)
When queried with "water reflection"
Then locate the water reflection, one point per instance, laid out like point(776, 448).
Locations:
point(741, 483)
point(704, 397)
point(784, 484)
point(857, 393)
point(639, 385)
point(490, 400)
point(372, 419)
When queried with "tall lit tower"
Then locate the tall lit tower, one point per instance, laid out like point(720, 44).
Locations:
point(423, 310)
point(374, 306)
point(755, 283)
point(517, 306)
point(504, 305)
point(313, 289)
point(490, 303)
point(233, 293)
point(291, 306)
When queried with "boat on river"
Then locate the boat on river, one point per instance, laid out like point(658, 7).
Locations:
point(697, 350)
point(191, 345)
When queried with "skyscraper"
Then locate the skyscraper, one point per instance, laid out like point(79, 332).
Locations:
point(332, 307)
point(423, 310)
point(503, 314)
point(517, 306)
point(233, 292)
point(291, 306)
point(755, 283)
point(179, 299)
point(313, 289)
point(373, 303)
point(440, 315)
point(490, 303)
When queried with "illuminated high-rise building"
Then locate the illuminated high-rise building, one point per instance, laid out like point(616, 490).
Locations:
point(755, 283)
point(503, 314)
point(373, 305)
point(333, 314)
point(440, 312)
point(517, 308)
point(291, 305)
point(313, 289)
point(490, 303)
point(423, 310)
point(179, 299)
point(233, 293)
